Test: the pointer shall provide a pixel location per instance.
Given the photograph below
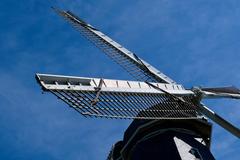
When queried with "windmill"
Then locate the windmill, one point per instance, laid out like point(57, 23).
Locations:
point(169, 120)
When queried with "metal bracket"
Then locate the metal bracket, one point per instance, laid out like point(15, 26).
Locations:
point(98, 90)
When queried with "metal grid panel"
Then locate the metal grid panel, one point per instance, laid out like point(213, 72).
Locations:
point(119, 99)
point(126, 105)
point(136, 67)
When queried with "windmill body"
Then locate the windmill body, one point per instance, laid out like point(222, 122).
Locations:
point(169, 120)
point(164, 139)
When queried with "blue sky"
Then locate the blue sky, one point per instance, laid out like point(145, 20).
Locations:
point(193, 42)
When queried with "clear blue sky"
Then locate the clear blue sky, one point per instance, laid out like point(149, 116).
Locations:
point(193, 42)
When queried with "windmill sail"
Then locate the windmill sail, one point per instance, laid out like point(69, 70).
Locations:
point(137, 67)
point(218, 92)
point(219, 120)
point(230, 90)
point(119, 99)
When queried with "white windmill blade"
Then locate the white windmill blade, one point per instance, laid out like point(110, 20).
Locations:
point(219, 120)
point(137, 67)
point(228, 89)
point(220, 95)
point(119, 99)
point(218, 92)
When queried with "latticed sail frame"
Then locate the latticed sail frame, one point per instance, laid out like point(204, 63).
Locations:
point(94, 97)
point(135, 66)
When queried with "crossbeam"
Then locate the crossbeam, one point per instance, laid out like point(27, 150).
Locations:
point(59, 82)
